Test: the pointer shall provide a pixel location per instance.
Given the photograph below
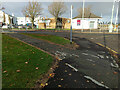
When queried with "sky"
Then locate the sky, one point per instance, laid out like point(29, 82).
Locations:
point(103, 9)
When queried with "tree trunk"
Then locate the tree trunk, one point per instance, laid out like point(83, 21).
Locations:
point(32, 25)
point(32, 22)
point(56, 22)
point(4, 19)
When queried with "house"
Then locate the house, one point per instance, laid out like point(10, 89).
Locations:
point(50, 23)
point(27, 20)
point(7, 19)
point(90, 21)
point(23, 20)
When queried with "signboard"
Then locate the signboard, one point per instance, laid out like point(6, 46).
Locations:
point(78, 22)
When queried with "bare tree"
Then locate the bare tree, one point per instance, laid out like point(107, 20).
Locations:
point(56, 9)
point(87, 11)
point(32, 10)
point(4, 18)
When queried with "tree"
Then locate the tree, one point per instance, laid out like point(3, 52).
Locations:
point(87, 11)
point(4, 18)
point(32, 10)
point(56, 9)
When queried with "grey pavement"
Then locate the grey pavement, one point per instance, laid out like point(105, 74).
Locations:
point(95, 63)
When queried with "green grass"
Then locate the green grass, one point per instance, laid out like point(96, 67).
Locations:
point(51, 38)
point(14, 56)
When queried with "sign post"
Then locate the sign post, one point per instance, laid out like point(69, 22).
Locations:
point(71, 26)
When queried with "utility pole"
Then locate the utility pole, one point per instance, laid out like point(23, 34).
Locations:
point(111, 26)
point(71, 26)
point(116, 29)
point(83, 14)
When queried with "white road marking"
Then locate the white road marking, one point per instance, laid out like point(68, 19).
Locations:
point(71, 67)
point(90, 60)
point(100, 56)
point(84, 53)
point(115, 66)
point(96, 82)
point(94, 56)
point(107, 57)
point(75, 55)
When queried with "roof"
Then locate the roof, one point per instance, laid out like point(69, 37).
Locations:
point(90, 15)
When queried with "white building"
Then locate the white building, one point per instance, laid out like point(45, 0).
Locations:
point(23, 20)
point(7, 19)
point(90, 21)
point(26, 20)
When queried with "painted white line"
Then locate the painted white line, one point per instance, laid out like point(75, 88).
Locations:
point(100, 56)
point(94, 56)
point(96, 82)
point(71, 67)
point(90, 60)
point(75, 55)
point(115, 66)
point(84, 53)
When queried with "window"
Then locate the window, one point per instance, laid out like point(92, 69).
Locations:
point(92, 24)
point(68, 21)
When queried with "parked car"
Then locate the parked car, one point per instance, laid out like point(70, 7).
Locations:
point(5, 26)
point(20, 26)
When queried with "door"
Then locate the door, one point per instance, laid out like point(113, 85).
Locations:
point(92, 24)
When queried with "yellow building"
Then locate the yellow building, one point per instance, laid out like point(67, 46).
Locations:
point(50, 23)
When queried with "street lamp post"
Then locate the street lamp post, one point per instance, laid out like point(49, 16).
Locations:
point(11, 22)
point(71, 26)
point(83, 14)
point(116, 29)
point(111, 26)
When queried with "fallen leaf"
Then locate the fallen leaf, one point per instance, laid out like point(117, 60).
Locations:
point(18, 71)
point(26, 62)
point(75, 80)
point(46, 84)
point(65, 70)
point(4, 71)
point(59, 85)
point(88, 81)
point(61, 79)
point(42, 85)
point(51, 74)
point(37, 68)
point(115, 72)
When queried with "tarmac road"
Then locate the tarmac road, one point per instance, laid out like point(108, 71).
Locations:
point(90, 60)
point(112, 40)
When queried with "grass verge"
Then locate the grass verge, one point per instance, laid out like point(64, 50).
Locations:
point(22, 65)
point(51, 38)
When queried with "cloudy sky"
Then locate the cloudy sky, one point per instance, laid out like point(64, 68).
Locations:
point(98, 8)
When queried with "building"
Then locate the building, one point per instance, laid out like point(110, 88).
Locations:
point(7, 19)
point(26, 20)
point(90, 21)
point(50, 23)
point(23, 20)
